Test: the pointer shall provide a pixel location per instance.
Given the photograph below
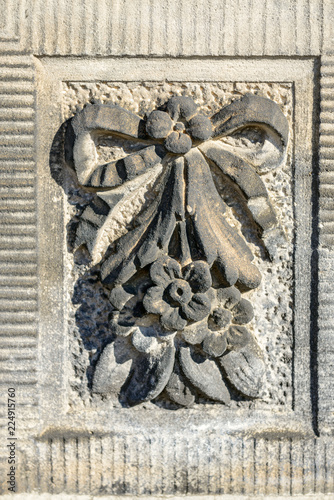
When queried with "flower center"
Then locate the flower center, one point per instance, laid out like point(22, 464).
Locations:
point(220, 318)
point(179, 292)
point(179, 127)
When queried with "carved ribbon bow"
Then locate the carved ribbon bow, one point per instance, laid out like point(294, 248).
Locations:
point(177, 274)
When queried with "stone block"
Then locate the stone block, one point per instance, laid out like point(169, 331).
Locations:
point(166, 249)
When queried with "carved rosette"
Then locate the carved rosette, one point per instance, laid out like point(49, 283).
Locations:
point(176, 279)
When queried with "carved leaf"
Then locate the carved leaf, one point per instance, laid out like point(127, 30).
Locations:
point(214, 238)
point(119, 200)
point(245, 368)
point(204, 374)
point(178, 391)
point(113, 368)
point(151, 373)
point(143, 245)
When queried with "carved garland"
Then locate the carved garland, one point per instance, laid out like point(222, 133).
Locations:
point(177, 277)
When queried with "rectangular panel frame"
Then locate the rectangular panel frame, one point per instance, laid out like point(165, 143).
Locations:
point(53, 344)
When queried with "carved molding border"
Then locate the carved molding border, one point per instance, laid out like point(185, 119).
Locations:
point(50, 74)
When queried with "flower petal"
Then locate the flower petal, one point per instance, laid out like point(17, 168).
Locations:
point(238, 336)
point(164, 270)
point(159, 124)
point(198, 308)
point(215, 344)
point(228, 297)
point(243, 312)
point(172, 320)
point(178, 143)
point(195, 334)
point(181, 107)
point(200, 127)
point(198, 276)
point(153, 301)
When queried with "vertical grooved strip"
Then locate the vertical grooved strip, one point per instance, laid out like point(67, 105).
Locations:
point(297, 466)
point(172, 27)
point(270, 27)
point(36, 22)
point(326, 261)
point(143, 27)
point(272, 467)
point(308, 467)
point(83, 465)
point(248, 467)
point(242, 35)
point(95, 465)
point(89, 27)
point(302, 22)
point(62, 31)
point(8, 25)
point(101, 28)
point(133, 465)
point(255, 18)
point(156, 21)
point(217, 27)
point(319, 466)
point(106, 463)
point(187, 28)
point(329, 466)
point(44, 458)
point(213, 446)
point(168, 456)
point(260, 459)
point(74, 29)
point(117, 27)
point(284, 468)
point(112, 460)
point(315, 20)
point(229, 28)
point(52, 33)
point(58, 466)
point(236, 466)
point(124, 32)
point(70, 465)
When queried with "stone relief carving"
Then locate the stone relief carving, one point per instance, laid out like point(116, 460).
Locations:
point(177, 276)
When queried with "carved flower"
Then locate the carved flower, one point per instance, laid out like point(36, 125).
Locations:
point(179, 125)
point(224, 327)
point(180, 295)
